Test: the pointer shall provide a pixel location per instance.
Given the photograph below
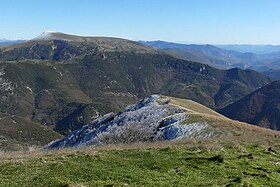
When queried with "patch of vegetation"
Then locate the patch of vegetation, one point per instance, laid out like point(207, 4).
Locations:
point(193, 118)
point(182, 165)
point(18, 133)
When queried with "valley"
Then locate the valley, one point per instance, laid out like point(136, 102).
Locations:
point(260, 107)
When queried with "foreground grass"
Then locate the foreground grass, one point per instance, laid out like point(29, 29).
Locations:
point(180, 165)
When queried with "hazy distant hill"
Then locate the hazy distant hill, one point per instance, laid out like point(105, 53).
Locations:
point(273, 73)
point(223, 58)
point(247, 48)
point(4, 42)
point(206, 54)
point(261, 107)
point(65, 81)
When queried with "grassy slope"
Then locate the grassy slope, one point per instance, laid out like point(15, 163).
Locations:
point(192, 106)
point(158, 165)
point(221, 125)
point(250, 156)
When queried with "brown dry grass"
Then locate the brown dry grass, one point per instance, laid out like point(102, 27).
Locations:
point(219, 121)
point(192, 106)
point(210, 144)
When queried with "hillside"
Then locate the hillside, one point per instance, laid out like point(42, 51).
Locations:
point(274, 73)
point(211, 150)
point(17, 133)
point(261, 107)
point(191, 106)
point(65, 81)
point(207, 149)
point(160, 118)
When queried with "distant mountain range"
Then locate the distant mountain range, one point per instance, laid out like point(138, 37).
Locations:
point(65, 81)
point(4, 41)
point(224, 58)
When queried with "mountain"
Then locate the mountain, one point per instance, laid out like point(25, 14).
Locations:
point(65, 81)
point(222, 58)
point(261, 107)
point(55, 41)
point(207, 54)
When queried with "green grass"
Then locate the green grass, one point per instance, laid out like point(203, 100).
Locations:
point(165, 166)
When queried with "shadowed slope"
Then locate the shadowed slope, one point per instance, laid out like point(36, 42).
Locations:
point(261, 107)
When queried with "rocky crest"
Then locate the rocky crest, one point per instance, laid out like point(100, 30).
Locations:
point(151, 119)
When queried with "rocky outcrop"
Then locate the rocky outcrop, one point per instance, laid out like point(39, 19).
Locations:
point(151, 119)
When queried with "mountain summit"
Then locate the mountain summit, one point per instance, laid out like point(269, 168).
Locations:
point(52, 35)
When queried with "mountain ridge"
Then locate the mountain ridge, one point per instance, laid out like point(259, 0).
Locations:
point(100, 43)
point(219, 57)
point(157, 118)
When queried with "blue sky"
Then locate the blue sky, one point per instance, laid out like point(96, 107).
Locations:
point(189, 21)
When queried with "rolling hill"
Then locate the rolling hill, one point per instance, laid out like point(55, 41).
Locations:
point(261, 107)
point(160, 118)
point(66, 81)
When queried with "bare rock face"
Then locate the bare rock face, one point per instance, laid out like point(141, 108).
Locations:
point(151, 119)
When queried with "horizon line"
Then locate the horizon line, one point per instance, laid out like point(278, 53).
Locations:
point(137, 40)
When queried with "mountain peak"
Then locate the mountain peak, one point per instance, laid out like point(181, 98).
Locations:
point(52, 35)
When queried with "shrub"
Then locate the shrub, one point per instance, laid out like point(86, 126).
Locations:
point(129, 133)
